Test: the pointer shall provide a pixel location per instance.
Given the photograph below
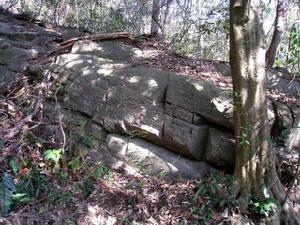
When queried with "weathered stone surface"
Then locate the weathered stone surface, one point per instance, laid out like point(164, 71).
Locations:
point(6, 77)
point(154, 160)
point(147, 82)
point(283, 83)
point(283, 116)
point(186, 139)
point(201, 97)
point(35, 70)
point(130, 101)
point(166, 109)
point(283, 124)
point(220, 150)
point(277, 79)
point(12, 58)
point(109, 50)
point(293, 140)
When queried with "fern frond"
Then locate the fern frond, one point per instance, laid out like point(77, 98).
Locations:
point(7, 188)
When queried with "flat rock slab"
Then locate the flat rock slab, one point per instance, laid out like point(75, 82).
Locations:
point(153, 160)
point(106, 49)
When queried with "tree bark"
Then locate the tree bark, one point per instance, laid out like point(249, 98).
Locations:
point(154, 18)
point(255, 161)
point(167, 4)
point(277, 34)
point(247, 57)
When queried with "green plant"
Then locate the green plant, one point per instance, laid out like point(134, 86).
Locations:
point(263, 207)
point(83, 139)
point(294, 46)
point(74, 163)
point(87, 188)
point(12, 162)
point(10, 195)
point(7, 189)
point(100, 170)
point(213, 193)
point(217, 189)
point(54, 155)
point(35, 184)
point(138, 134)
point(30, 138)
point(182, 222)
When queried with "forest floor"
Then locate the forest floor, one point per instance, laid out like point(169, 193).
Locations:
point(54, 193)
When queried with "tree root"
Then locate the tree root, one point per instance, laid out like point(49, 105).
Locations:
point(289, 216)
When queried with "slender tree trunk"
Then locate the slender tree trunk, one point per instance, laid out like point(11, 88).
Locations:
point(247, 57)
point(134, 26)
point(255, 161)
point(165, 17)
point(77, 14)
point(277, 34)
point(154, 18)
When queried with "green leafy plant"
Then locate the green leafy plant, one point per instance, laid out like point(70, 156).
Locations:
point(182, 222)
point(83, 139)
point(54, 155)
point(100, 170)
point(12, 162)
point(7, 189)
point(263, 207)
point(31, 185)
point(213, 193)
point(138, 134)
point(34, 184)
point(30, 138)
point(10, 195)
point(87, 188)
point(74, 164)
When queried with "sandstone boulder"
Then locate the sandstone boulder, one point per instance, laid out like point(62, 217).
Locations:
point(137, 102)
point(6, 78)
point(278, 80)
point(293, 139)
point(220, 150)
point(110, 50)
point(154, 160)
point(191, 117)
point(201, 97)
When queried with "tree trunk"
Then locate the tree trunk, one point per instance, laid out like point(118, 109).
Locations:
point(165, 17)
point(277, 34)
point(255, 161)
point(154, 18)
point(248, 74)
point(130, 16)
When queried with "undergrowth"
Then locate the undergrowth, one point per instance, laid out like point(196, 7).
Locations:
point(44, 178)
point(212, 196)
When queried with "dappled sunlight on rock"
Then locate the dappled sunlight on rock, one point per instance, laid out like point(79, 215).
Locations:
point(134, 79)
point(198, 87)
point(223, 105)
point(151, 159)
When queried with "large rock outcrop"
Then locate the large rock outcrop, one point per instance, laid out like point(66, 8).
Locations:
point(164, 108)
point(170, 123)
point(191, 117)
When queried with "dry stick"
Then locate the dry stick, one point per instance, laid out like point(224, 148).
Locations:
point(60, 116)
point(17, 129)
point(97, 37)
